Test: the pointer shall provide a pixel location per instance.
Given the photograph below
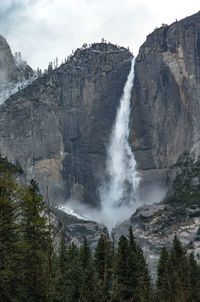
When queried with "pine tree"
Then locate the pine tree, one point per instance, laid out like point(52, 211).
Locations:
point(133, 263)
point(50, 253)
point(89, 288)
point(103, 264)
point(119, 287)
point(162, 276)
point(131, 280)
point(61, 280)
point(138, 278)
point(75, 273)
point(62, 256)
point(194, 280)
point(50, 67)
point(70, 273)
point(35, 244)
point(9, 248)
point(177, 273)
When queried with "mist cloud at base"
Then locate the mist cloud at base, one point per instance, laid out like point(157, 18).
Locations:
point(107, 216)
point(111, 216)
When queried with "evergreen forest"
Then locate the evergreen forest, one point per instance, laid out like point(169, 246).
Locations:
point(37, 265)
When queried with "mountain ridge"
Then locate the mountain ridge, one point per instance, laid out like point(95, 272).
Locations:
point(58, 127)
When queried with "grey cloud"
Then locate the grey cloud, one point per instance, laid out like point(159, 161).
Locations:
point(13, 14)
point(44, 29)
point(10, 14)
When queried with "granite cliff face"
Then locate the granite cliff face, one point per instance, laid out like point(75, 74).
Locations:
point(165, 101)
point(58, 127)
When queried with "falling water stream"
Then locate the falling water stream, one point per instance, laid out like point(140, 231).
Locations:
point(118, 193)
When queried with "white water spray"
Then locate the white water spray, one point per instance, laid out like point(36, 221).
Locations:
point(118, 193)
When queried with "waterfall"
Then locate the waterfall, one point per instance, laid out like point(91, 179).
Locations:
point(119, 189)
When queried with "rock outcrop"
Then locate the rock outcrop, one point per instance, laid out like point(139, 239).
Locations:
point(58, 127)
point(75, 229)
point(13, 71)
point(165, 124)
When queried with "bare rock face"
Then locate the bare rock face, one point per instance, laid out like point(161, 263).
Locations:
point(75, 229)
point(165, 124)
point(12, 70)
point(58, 127)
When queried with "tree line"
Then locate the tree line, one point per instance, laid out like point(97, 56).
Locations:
point(35, 266)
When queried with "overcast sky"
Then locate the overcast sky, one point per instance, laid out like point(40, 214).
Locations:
point(45, 29)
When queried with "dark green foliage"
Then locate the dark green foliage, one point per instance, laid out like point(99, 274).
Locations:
point(6, 166)
point(62, 256)
point(8, 237)
point(162, 276)
point(61, 281)
point(69, 274)
point(194, 280)
point(50, 254)
point(139, 283)
point(103, 262)
point(35, 244)
point(30, 270)
point(178, 272)
point(75, 273)
point(119, 290)
point(131, 277)
point(89, 280)
point(178, 275)
point(184, 190)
